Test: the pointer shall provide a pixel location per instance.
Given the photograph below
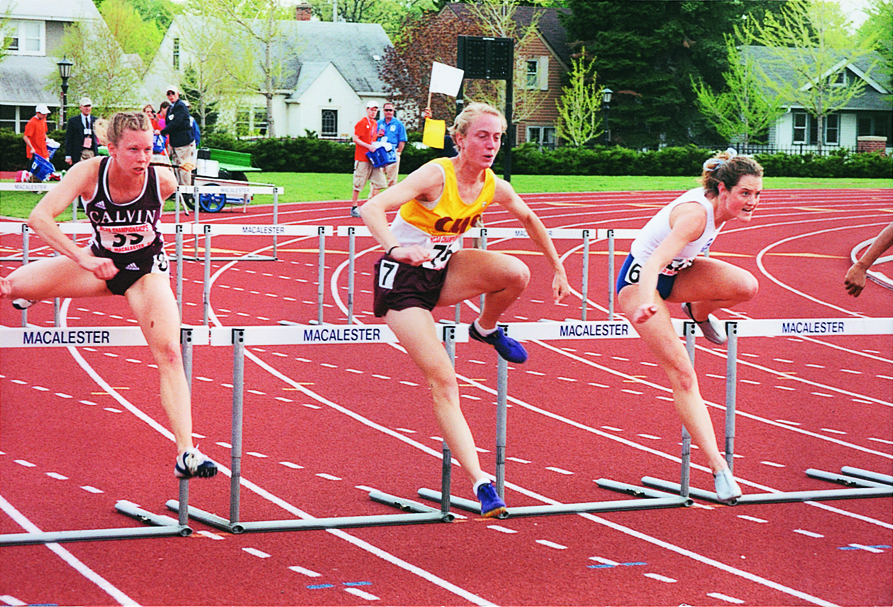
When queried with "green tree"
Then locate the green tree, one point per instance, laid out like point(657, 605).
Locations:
point(579, 108)
point(5, 32)
point(808, 53)
point(743, 110)
point(877, 30)
point(135, 35)
point(648, 51)
point(390, 14)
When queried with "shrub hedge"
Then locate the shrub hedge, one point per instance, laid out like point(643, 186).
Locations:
point(313, 155)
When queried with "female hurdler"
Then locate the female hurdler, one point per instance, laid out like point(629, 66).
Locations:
point(425, 267)
point(664, 266)
point(124, 198)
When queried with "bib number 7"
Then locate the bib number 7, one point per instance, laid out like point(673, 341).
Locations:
point(387, 271)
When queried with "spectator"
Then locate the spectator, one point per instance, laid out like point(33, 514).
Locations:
point(178, 129)
point(365, 132)
point(80, 138)
point(159, 145)
point(35, 134)
point(395, 133)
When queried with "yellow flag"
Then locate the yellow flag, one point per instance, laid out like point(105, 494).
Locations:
point(434, 132)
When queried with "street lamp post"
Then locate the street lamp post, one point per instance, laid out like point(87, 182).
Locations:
point(65, 74)
point(606, 105)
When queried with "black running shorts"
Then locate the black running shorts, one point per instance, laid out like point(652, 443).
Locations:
point(399, 286)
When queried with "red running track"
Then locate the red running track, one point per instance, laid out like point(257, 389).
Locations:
point(323, 424)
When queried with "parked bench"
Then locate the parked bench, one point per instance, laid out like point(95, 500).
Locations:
point(230, 164)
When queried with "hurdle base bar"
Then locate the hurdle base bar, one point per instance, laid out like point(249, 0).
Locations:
point(654, 500)
point(248, 257)
point(165, 526)
point(423, 515)
point(781, 497)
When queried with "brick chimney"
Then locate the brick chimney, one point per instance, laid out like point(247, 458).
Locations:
point(303, 11)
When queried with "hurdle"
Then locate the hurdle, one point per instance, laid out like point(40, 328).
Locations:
point(162, 525)
point(209, 229)
point(244, 191)
point(239, 338)
point(647, 498)
point(586, 235)
point(860, 483)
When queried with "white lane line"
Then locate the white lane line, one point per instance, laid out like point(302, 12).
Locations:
point(660, 578)
point(752, 519)
point(71, 560)
point(559, 470)
point(11, 600)
point(812, 534)
point(726, 598)
point(361, 594)
point(306, 572)
point(549, 544)
point(258, 553)
point(501, 529)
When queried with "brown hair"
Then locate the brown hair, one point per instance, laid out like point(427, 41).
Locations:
point(727, 168)
point(126, 121)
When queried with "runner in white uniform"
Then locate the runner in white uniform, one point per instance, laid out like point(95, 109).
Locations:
point(425, 267)
point(664, 265)
point(126, 257)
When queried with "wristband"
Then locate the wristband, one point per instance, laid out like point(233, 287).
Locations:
point(391, 249)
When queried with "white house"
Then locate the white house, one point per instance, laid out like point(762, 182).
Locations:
point(37, 27)
point(328, 72)
point(865, 122)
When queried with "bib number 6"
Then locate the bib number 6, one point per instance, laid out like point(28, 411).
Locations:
point(632, 275)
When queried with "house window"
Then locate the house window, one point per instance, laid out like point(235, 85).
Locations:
point(176, 53)
point(9, 118)
point(542, 136)
point(840, 79)
point(801, 127)
point(832, 129)
point(329, 123)
point(27, 38)
point(251, 122)
point(537, 73)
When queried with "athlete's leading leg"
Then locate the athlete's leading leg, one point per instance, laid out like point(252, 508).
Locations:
point(472, 272)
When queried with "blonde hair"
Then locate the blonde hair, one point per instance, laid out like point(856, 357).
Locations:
point(126, 121)
point(727, 168)
point(472, 111)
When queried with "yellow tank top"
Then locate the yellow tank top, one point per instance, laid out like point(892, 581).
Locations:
point(439, 224)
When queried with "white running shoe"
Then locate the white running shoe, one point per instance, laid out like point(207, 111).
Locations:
point(712, 328)
point(193, 463)
point(22, 304)
point(727, 490)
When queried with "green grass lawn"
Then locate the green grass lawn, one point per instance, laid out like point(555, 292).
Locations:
point(309, 187)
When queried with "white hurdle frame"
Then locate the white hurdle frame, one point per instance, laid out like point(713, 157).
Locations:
point(40, 337)
point(290, 334)
point(246, 190)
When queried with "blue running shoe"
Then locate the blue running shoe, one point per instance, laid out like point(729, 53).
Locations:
point(507, 347)
point(193, 463)
point(492, 505)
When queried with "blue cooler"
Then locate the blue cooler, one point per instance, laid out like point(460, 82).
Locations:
point(41, 168)
point(379, 157)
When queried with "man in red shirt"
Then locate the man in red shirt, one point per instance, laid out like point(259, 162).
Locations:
point(35, 135)
point(365, 132)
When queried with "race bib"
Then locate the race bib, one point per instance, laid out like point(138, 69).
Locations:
point(125, 239)
point(443, 248)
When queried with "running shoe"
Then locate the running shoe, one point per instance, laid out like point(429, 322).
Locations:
point(727, 490)
point(507, 347)
point(22, 304)
point(492, 505)
point(355, 211)
point(193, 463)
point(712, 328)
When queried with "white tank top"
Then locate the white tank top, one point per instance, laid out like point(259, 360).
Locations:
point(658, 228)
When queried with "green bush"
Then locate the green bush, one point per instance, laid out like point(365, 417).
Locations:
point(12, 151)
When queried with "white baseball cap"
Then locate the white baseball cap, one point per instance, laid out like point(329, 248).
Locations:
point(86, 101)
point(170, 88)
point(42, 109)
point(372, 104)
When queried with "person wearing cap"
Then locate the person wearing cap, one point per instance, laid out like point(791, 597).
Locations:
point(35, 134)
point(80, 134)
point(178, 129)
point(365, 132)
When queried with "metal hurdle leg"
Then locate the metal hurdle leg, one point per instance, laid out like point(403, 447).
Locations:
point(610, 274)
point(415, 512)
point(206, 287)
point(650, 499)
point(350, 269)
point(584, 288)
point(862, 486)
point(320, 288)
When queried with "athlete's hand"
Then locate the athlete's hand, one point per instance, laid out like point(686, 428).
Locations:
point(100, 267)
point(560, 287)
point(854, 281)
point(414, 255)
point(644, 313)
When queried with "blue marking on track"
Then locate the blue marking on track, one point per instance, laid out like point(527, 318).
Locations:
point(357, 583)
point(320, 586)
point(877, 547)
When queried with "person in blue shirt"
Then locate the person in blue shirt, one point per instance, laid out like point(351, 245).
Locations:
point(395, 133)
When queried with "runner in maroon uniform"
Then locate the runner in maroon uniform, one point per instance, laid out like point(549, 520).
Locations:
point(124, 198)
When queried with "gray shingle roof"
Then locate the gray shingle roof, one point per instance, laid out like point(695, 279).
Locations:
point(24, 80)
